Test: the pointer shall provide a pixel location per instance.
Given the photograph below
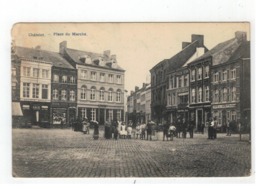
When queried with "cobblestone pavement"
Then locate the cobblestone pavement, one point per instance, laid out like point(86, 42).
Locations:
point(64, 153)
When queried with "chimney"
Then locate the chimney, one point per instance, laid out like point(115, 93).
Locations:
point(38, 47)
point(185, 44)
point(113, 58)
point(241, 36)
point(136, 88)
point(199, 38)
point(63, 46)
point(107, 53)
point(132, 92)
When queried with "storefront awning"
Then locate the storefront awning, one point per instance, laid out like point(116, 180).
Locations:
point(16, 109)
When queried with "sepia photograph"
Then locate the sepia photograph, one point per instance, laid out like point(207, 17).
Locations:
point(131, 100)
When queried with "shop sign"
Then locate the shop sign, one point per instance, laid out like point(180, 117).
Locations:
point(26, 107)
point(222, 106)
point(44, 107)
point(36, 107)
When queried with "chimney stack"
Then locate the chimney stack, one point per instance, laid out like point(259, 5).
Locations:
point(241, 36)
point(199, 38)
point(63, 46)
point(185, 44)
point(107, 53)
point(136, 88)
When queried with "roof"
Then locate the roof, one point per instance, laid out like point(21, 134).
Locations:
point(242, 52)
point(42, 55)
point(225, 51)
point(76, 54)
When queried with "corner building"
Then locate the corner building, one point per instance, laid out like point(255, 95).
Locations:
point(100, 84)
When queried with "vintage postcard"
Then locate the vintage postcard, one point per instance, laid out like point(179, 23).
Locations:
point(131, 100)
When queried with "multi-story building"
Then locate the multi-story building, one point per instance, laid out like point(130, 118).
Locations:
point(100, 84)
point(201, 78)
point(63, 91)
point(139, 104)
point(35, 84)
point(159, 79)
point(231, 86)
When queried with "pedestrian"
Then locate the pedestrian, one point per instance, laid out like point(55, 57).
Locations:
point(172, 130)
point(129, 132)
point(142, 128)
point(210, 131)
point(179, 127)
point(107, 130)
point(115, 125)
point(165, 130)
point(228, 128)
point(191, 128)
point(138, 130)
point(184, 128)
point(123, 132)
point(202, 127)
point(84, 126)
point(96, 130)
point(215, 128)
point(149, 130)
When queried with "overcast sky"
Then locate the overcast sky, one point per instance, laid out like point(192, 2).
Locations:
point(138, 46)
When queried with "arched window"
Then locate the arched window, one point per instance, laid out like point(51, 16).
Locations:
point(83, 93)
point(102, 94)
point(63, 95)
point(216, 96)
point(72, 95)
point(55, 95)
point(118, 95)
point(110, 95)
point(93, 93)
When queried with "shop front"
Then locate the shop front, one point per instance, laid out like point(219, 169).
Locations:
point(36, 113)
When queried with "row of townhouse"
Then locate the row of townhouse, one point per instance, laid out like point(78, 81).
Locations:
point(54, 88)
point(214, 83)
point(139, 105)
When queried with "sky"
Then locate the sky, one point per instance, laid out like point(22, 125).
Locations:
point(138, 46)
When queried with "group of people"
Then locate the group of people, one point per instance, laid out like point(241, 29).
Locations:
point(116, 129)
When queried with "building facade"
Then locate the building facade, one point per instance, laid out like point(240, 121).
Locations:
point(163, 80)
point(231, 87)
point(205, 89)
point(35, 85)
point(64, 93)
point(100, 81)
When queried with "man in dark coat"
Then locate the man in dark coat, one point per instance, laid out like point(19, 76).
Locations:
point(149, 130)
point(191, 128)
point(165, 130)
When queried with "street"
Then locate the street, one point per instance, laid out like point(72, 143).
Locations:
point(64, 153)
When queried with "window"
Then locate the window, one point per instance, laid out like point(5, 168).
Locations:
point(118, 96)
point(36, 90)
point(193, 75)
point(216, 96)
point(224, 95)
point(93, 93)
point(118, 79)
point(36, 72)
point(173, 99)
point(55, 94)
point(110, 97)
point(233, 94)
point(118, 115)
point(206, 71)
point(219, 118)
point(93, 76)
point(63, 95)
point(207, 93)
point(200, 95)
point(224, 75)
point(215, 77)
point(101, 94)
point(64, 79)
point(110, 115)
point(102, 77)
point(83, 93)
point(183, 99)
point(83, 74)
point(199, 74)
point(233, 115)
point(45, 74)
point(93, 114)
point(72, 79)
point(193, 96)
point(72, 95)
point(26, 71)
point(84, 113)
point(233, 74)
point(228, 95)
point(14, 72)
point(44, 91)
point(180, 81)
point(55, 78)
point(171, 82)
point(26, 90)
point(169, 102)
point(110, 78)
point(186, 81)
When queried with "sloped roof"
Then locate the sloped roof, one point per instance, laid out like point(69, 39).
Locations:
point(242, 52)
point(42, 55)
point(76, 54)
point(222, 52)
